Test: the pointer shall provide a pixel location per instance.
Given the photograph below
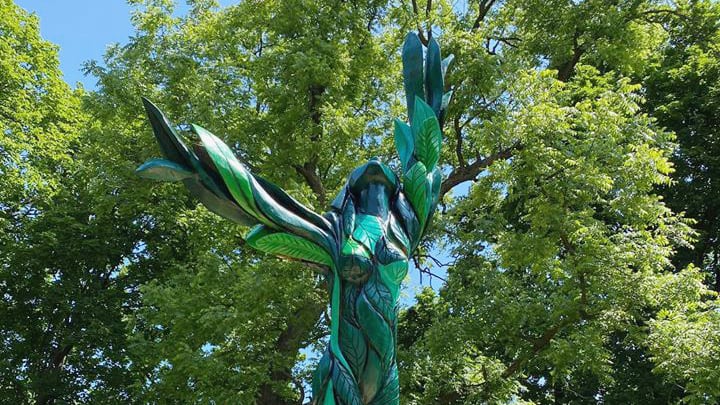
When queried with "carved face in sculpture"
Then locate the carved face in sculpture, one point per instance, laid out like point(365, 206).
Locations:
point(363, 242)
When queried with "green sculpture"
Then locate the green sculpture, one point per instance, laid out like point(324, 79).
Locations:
point(364, 241)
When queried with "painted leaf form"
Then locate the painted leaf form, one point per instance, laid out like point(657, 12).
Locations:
point(392, 276)
point(235, 176)
point(412, 60)
point(352, 247)
point(164, 170)
point(168, 139)
point(446, 63)
point(428, 142)
point(380, 298)
point(348, 216)
point(353, 346)
point(399, 234)
point(368, 230)
point(416, 187)
point(390, 393)
point(225, 207)
point(329, 394)
point(408, 216)
point(372, 375)
point(433, 76)
point(404, 143)
point(345, 386)
point(287, 245)
point(377, 329)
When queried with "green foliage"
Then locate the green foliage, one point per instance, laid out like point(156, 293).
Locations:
point(565, 284)
point(288, 245)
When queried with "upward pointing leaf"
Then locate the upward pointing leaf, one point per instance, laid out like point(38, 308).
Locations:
point(404, 143)
point(427, 134)
point(433, 76)
point(412, 60)
point(416, 187)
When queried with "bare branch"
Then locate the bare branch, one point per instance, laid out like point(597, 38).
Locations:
point(462, 174)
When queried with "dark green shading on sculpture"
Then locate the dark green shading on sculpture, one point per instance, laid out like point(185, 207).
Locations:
point(364, 241)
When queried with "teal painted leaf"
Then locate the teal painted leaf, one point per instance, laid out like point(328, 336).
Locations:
point(348, 216)
point(416, 188)
point(404, 143)
point(390, 393)
point(368, 230)
point(235, 176)
point(287, 245)
point(169, 140)
point(381, 298)
point(164, 170)
point(434, 180)
point(399, 234)
point(392, 276)
point(353, 345)
point(428, 142)
point(376, 328)
point(372, 376)
point(433, 76)
point(345, 387)
point(329, 394)
point(422, 112)
point(352, 247)
point(412, 60)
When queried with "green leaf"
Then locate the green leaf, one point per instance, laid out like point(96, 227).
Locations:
point(235, 176)
point(352, 247)
point(404, 143)
point(412, 61)
point(428, 142)
point(287, 245)
point(433, 76)
point(164, 170)
point(416, 188)
point(368, 230)
point(348, 216)
point(376, 328)
point(353, 345)
point(392, 276)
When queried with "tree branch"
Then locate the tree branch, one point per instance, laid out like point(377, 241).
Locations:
point(465, 173)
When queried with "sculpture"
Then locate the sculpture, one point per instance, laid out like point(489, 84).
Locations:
point(364, 241)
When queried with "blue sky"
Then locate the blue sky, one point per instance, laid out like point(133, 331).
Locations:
point(82, 29)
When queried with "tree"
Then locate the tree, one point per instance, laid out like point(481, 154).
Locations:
point(682, 93)
point(563, 285)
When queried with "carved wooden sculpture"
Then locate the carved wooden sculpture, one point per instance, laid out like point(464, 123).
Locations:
point(364, 241)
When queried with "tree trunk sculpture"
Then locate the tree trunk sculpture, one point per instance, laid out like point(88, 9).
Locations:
point(364, 241)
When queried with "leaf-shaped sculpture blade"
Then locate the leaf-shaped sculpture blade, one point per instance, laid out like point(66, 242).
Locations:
point(427, 135)
point(235, 176)
point(416, 188)
point(434, 86)
point(287, 245)
point(368, 230)
point(404, 143)
point(169, 140)
point(163, 170)
point(412, 60)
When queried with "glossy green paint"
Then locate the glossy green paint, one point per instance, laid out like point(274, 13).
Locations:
point(364, 241)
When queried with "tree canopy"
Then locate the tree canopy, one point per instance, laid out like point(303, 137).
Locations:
point(577, 238)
